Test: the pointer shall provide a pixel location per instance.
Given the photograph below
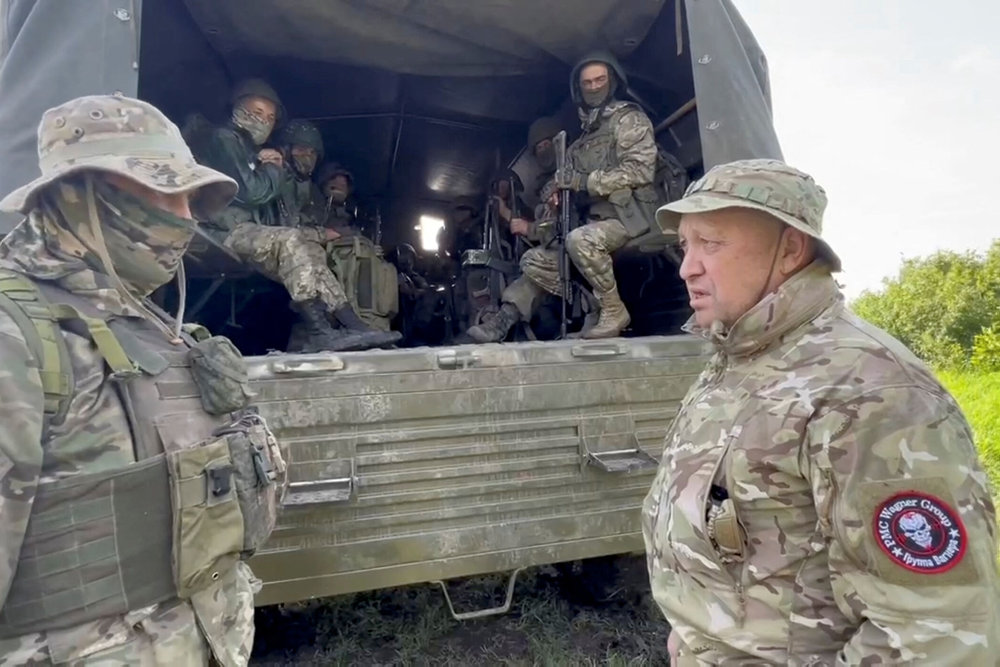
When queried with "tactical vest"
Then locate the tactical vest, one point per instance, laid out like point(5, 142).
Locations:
point(595, 150)
point(202, 494)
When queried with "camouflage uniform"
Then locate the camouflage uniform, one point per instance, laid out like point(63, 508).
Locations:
point(611, 167)
point(819, 500)
point(56, 246)
point(337, 216)
point(300, 203)
point(291, 256)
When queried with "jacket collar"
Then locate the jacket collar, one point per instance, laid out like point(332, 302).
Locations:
point(799, 300)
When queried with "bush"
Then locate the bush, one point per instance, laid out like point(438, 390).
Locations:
point(986, 350)
point(939, 306)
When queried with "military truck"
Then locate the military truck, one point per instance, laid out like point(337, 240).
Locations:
point(424, 464)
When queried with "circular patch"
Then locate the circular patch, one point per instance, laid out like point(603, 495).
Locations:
point(920, 532)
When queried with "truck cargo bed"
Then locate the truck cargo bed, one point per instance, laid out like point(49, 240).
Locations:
point(424, 464)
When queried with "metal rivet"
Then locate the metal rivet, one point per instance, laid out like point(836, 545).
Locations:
point(122, 14)
point(59, 122)
point(215, 576)
point(77, 131)
point(705, 59)
point(714, 125)
point(96, 114)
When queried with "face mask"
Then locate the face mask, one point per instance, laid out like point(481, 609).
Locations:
point(145, 243)
point(304, 164)
point(546, 157)
point(596, 98)
point(337, 195)
point(259, 130)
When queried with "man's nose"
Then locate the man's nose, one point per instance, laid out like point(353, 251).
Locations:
point(690, 266)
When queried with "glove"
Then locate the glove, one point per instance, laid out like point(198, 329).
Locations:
point(571, 179)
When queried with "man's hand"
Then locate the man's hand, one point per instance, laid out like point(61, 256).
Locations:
point(332, 234)
point(502, 209)
point(571, 179)
point(270, 156)
point(520, 227)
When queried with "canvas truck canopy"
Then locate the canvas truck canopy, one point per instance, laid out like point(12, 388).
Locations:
point(424, 98)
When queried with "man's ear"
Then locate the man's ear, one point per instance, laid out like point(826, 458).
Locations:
point(797, 251)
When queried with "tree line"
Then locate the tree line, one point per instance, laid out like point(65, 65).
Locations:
point(945, 307)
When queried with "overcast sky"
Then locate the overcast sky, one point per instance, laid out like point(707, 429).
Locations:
point(894, 107)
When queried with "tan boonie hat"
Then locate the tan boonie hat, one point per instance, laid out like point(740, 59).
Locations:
point(771, 186)
point(121, 135)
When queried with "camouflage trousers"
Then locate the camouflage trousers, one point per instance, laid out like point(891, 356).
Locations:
point(589, 248)
point(216, 626)
point(285, 255)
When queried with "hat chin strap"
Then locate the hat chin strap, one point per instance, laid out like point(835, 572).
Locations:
point(173, 335)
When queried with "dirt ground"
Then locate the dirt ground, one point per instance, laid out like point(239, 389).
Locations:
point(594, 613)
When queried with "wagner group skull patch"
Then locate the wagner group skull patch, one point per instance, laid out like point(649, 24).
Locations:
point(920, 532)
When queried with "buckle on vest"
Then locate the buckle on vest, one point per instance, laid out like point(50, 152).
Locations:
point(219, 480)
point(124, 375)
point(262, 466)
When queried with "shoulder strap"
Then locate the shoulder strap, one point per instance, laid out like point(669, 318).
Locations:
point(24, 303)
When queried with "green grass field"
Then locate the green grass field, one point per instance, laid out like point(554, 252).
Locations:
point(979, 396)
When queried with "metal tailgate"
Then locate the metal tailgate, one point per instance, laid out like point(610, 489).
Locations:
point(424, 464)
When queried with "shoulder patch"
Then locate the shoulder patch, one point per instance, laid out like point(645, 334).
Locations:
point(920, 532)
point(916, 532)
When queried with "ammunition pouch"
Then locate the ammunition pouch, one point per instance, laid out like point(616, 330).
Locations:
point(635, 209)
point(220, 372)
point(225, 494)
point(102, 544)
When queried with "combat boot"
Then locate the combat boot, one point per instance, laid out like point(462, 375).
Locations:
point(614, 316)
point(495, 327)
point(315, 334)
point(356, 327)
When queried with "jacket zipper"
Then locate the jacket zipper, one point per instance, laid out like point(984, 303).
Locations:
point(737, 584)
point(703, 502)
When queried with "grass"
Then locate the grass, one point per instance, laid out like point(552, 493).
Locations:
point(603, 615)
point(979, 396)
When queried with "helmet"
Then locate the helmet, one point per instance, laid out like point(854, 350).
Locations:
point(257, 88)
point(300, 132)
point(331, 170)
point(120, 135)
point(545, 127)
point(621, 80)
point(771, 186)
point(406, 249)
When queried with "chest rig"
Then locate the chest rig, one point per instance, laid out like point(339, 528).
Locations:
point(202, 493)
point(595, 151)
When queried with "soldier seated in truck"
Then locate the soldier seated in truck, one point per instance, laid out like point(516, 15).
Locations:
point(250, 226)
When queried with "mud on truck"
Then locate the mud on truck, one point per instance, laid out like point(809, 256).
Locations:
point(439, 459)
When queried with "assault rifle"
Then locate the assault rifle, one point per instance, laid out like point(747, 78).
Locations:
point(562, 229)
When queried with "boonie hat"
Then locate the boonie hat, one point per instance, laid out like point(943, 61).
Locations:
point(126, 136)
point(771, 186)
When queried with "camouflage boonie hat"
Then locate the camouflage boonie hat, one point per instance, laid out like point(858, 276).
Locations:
point(771, 186)
point(121, 135)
